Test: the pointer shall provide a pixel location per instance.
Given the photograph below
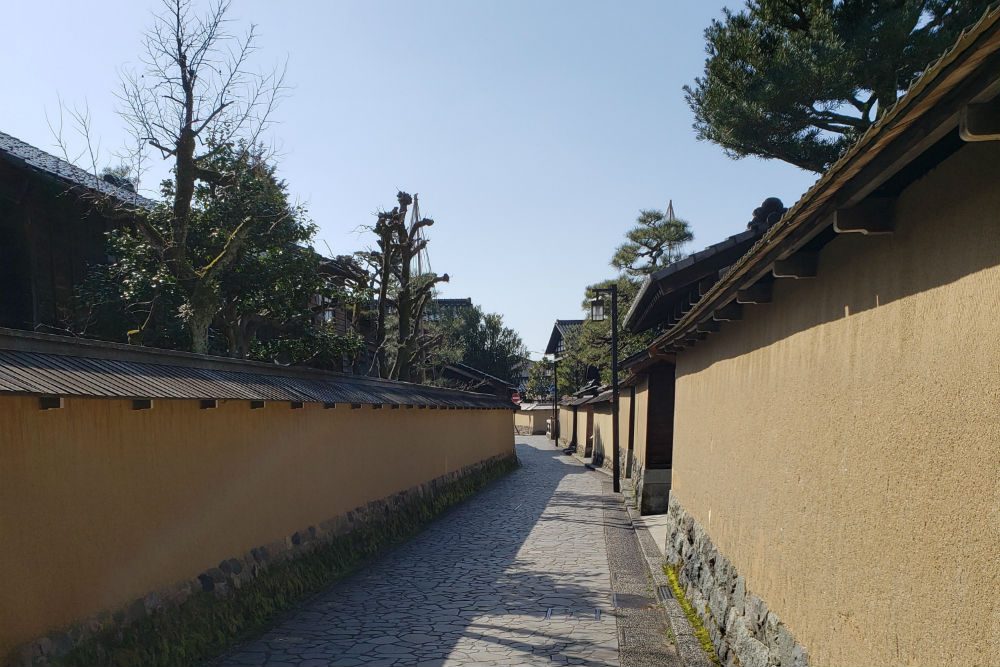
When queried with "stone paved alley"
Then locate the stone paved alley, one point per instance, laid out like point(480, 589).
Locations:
point(517, 575)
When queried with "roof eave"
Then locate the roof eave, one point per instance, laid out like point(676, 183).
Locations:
point(928, 111)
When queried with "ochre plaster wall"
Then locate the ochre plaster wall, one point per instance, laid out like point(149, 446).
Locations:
point(641, 415)
point(624, 399)
point(100, 504)
point(604, 429)
point(603, 433)
point(583, 443)
point(565, 425)
point(535, 420)
point(842, 444)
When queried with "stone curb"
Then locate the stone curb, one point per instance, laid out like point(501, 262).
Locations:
point(688, 647)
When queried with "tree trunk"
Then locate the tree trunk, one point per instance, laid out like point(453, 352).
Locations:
point(248, 332)
point(404, 336)
point(203, 304)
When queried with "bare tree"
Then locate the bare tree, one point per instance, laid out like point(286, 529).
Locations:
point(194, 85)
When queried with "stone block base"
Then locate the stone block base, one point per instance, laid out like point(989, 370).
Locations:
point(745, 632)
point(652, 487)
point(653, 490)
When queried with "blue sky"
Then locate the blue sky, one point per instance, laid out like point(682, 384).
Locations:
point(533, 131)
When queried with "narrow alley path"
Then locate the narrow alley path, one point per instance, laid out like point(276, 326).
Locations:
point(517, 575)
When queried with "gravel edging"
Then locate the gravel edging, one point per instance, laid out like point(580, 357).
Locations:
point(688, 647)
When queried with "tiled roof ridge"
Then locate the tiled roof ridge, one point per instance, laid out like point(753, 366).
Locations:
point(483, 373)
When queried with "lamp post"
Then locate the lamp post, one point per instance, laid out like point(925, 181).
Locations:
point(597, 314)
point(555, 400)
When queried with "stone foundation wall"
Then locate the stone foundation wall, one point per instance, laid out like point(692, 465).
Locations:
point(652, 487)
point(307, 559)
point(744, 631)
point(653, 490)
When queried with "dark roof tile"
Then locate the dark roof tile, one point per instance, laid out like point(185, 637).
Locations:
point(38, 160)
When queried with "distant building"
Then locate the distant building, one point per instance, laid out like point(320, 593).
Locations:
point(440, 309)
point(51, 230)
point(532, 418)
point(557, 339)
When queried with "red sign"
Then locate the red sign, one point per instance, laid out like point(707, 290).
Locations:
point(516, 398)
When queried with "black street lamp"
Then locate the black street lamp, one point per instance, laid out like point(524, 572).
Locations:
point(555, 400)
point(597, 314)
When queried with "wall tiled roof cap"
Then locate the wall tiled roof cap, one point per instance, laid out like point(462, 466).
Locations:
point(41, 364)
point(530, 407)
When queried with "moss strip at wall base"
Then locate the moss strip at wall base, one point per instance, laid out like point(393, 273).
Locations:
point(741, 627)
point(700, 633)
point(207, 623)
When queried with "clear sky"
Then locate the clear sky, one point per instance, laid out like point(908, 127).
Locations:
point(533, 131)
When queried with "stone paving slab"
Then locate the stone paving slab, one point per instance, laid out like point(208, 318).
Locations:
point(517, 575)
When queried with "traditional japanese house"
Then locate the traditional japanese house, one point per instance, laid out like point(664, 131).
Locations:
point(556, 347)
point(51, 230)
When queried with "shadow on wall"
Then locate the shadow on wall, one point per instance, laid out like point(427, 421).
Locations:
point(462, 578)
point(946, 229)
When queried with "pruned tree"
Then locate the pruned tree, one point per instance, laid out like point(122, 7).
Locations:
point(194, 84)
point(402, 297)
point(801, 80)
point(656, 240)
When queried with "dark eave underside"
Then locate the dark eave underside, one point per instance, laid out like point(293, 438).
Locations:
point(661, 291)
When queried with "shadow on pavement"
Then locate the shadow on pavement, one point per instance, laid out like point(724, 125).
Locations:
point(472, 588)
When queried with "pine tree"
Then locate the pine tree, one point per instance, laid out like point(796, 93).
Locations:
point(800, 81)
point(655, 241)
